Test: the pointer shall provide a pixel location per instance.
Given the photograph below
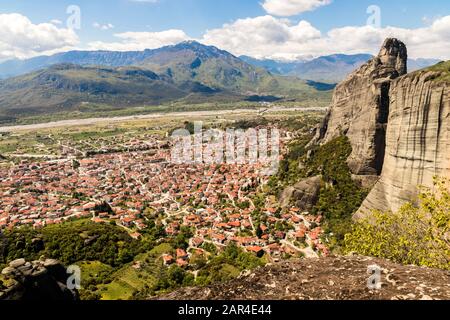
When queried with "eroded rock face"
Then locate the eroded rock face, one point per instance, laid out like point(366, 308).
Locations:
point(40, 280)
point(303, 195)
point(418, 140)
point(360, 108)
point(398, 125)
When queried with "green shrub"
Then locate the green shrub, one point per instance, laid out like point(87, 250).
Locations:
point(227, 265)
point(418, 235)
point(71, 242)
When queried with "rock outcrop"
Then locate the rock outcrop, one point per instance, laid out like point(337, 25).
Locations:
point(398, 125)
point(43, 280)
point(303, 195)
point(333, 278)
point(360, 108)
point(418, 138)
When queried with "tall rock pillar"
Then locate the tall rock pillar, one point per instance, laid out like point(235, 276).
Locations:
point(360, 108)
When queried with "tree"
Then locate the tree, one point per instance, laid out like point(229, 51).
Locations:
point(259, 232)
point(176, 276)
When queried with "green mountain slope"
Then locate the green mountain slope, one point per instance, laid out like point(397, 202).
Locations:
point(209, 65)
point(67, 87)
point(188, 73)
point(215, 68)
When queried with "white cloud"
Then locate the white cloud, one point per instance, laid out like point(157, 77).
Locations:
point(56, 22)
point(106, 26)
point(20, 38)
point(287, 8)
point(141, 40)
point(263, 36)
point(269, 37)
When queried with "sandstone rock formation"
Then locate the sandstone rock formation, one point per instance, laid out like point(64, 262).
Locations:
point(360, 108)
point(398, 125)
point(41, 280)
point(418, 139)
point(333, 278)
point(303, 194)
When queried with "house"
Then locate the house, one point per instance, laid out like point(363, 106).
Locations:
point(218, 237)
point(136, 235)
point(280, 235)
point(127, 222)
point(256, 250)
point(182, 263)
point(167, 259)
point(89, 206)
point(196, 242)
point(234, 224)
point(299, 234)
point(170, 231)
point(97, 220)
point(181, 254)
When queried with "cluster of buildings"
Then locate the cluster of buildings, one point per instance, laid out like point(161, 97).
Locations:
point(215, 201)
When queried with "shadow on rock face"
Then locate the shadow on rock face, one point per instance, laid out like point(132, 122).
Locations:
point(41, 280)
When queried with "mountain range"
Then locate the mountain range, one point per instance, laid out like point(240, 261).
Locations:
point(331, 69)
point(188, 72)
point(185, 61)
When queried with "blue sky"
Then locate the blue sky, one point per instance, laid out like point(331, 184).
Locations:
point(107, 24)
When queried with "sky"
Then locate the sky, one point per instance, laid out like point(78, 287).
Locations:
point(277, 29)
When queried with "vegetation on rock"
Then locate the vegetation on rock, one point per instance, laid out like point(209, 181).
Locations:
point(71, 242)
point(339, 197)
point(418, 235)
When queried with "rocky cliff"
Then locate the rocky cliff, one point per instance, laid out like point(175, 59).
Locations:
point(42, 280)
point(398, 125)
point(360, 108)
point(417, 140)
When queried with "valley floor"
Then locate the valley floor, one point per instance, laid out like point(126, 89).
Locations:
point(93, 121)
point(331, 278)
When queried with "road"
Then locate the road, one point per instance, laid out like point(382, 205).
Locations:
point(93, 121)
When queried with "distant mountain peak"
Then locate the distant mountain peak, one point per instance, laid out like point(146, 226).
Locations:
point(201, 49)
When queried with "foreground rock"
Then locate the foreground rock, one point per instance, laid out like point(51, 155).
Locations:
point(38, 280)
point(333, 278)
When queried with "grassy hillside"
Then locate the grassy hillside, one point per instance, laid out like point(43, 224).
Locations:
point(64, 87)
point(443, 67)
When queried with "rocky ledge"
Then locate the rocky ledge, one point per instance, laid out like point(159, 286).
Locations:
point(43, 279)
point(332, 278)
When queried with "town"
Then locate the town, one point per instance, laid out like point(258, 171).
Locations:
point(134, 184)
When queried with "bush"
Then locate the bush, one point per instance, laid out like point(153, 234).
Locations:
point(227, 265)
point(72, 242)
point(418, 235)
